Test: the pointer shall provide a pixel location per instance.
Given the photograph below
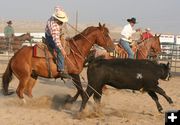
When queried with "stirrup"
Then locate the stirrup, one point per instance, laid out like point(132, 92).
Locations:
point(64, 75)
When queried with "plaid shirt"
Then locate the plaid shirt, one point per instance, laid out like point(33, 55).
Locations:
point(53, 29)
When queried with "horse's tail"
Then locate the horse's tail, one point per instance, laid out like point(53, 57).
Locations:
point(6, 79)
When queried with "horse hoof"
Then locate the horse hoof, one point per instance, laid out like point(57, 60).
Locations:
point(24, 101)
point(8, 93)
point(29, 95)
point(170, 101)
point(160, 109)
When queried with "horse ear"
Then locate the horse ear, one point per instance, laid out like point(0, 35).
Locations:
point(103, 25)
point(100, 25)
point(156, 35)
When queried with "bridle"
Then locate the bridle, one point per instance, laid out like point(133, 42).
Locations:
point(147, 48)
point(73, 41)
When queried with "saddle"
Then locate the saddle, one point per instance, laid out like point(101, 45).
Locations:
point(43, 50)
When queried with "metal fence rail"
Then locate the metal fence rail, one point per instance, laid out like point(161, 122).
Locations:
point(171, 53)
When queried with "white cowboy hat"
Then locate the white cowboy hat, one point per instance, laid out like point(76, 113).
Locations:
point(60, 15)
point(148, 29)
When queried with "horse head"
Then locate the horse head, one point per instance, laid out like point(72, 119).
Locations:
point(23, 37)
point(156, 45)
point(103, 39)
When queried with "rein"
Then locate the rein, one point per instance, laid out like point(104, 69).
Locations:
point(79, 52)
point(83, 36)
point(143, 45)
point(78, 32)
point(74, 43)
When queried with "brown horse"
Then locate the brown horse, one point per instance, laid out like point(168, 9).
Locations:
point(23, 37)
point(16, 41)
point(147, 46)
point(27, 68)
point(141, 50)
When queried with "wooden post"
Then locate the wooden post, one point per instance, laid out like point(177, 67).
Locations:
point(76, 26)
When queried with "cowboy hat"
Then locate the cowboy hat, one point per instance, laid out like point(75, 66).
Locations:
point(9, 22)
point(132, 20)
point(60, 15)
point(147, 29)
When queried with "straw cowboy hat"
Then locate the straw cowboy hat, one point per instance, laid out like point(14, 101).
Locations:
point(60, 14)
point(132, 20)
point(9, 22)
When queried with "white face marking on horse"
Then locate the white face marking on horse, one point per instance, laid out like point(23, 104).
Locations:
point(139, 76)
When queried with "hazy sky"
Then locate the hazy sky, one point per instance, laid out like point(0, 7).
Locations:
point(159, 15)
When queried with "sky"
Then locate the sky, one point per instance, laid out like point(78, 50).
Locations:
point(159, 15)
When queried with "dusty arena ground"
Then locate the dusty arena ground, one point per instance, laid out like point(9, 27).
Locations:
point(118, 107)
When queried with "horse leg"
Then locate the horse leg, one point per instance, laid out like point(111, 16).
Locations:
point(21, 87)
point(162, 92)
point(77, 83)
point(30, 84)
point(155, 98)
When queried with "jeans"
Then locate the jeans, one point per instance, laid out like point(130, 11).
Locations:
point(127, 48)
point(59, 58)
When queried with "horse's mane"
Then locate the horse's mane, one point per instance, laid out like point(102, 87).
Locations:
point(84, 32)
point(147, 41)
point(150, 39)
point(88, 30)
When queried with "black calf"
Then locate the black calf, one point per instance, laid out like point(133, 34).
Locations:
point(126, 74)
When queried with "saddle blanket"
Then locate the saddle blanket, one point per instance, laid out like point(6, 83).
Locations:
point(41, 50)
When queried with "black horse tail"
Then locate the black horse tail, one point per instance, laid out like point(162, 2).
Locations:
point(6, 79)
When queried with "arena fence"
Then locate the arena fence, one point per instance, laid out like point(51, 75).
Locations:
point(171, 53)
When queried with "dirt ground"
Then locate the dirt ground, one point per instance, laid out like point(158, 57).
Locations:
point(118, 107)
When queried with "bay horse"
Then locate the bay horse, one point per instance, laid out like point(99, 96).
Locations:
point(27, 68)
point(23, 37)
point(18, 40)
point(141, 50)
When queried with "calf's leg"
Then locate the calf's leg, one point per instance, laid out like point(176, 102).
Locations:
point(155, 98)
point(97, 96)
point(77, 82)
point(162, 92)
point(88, 94)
